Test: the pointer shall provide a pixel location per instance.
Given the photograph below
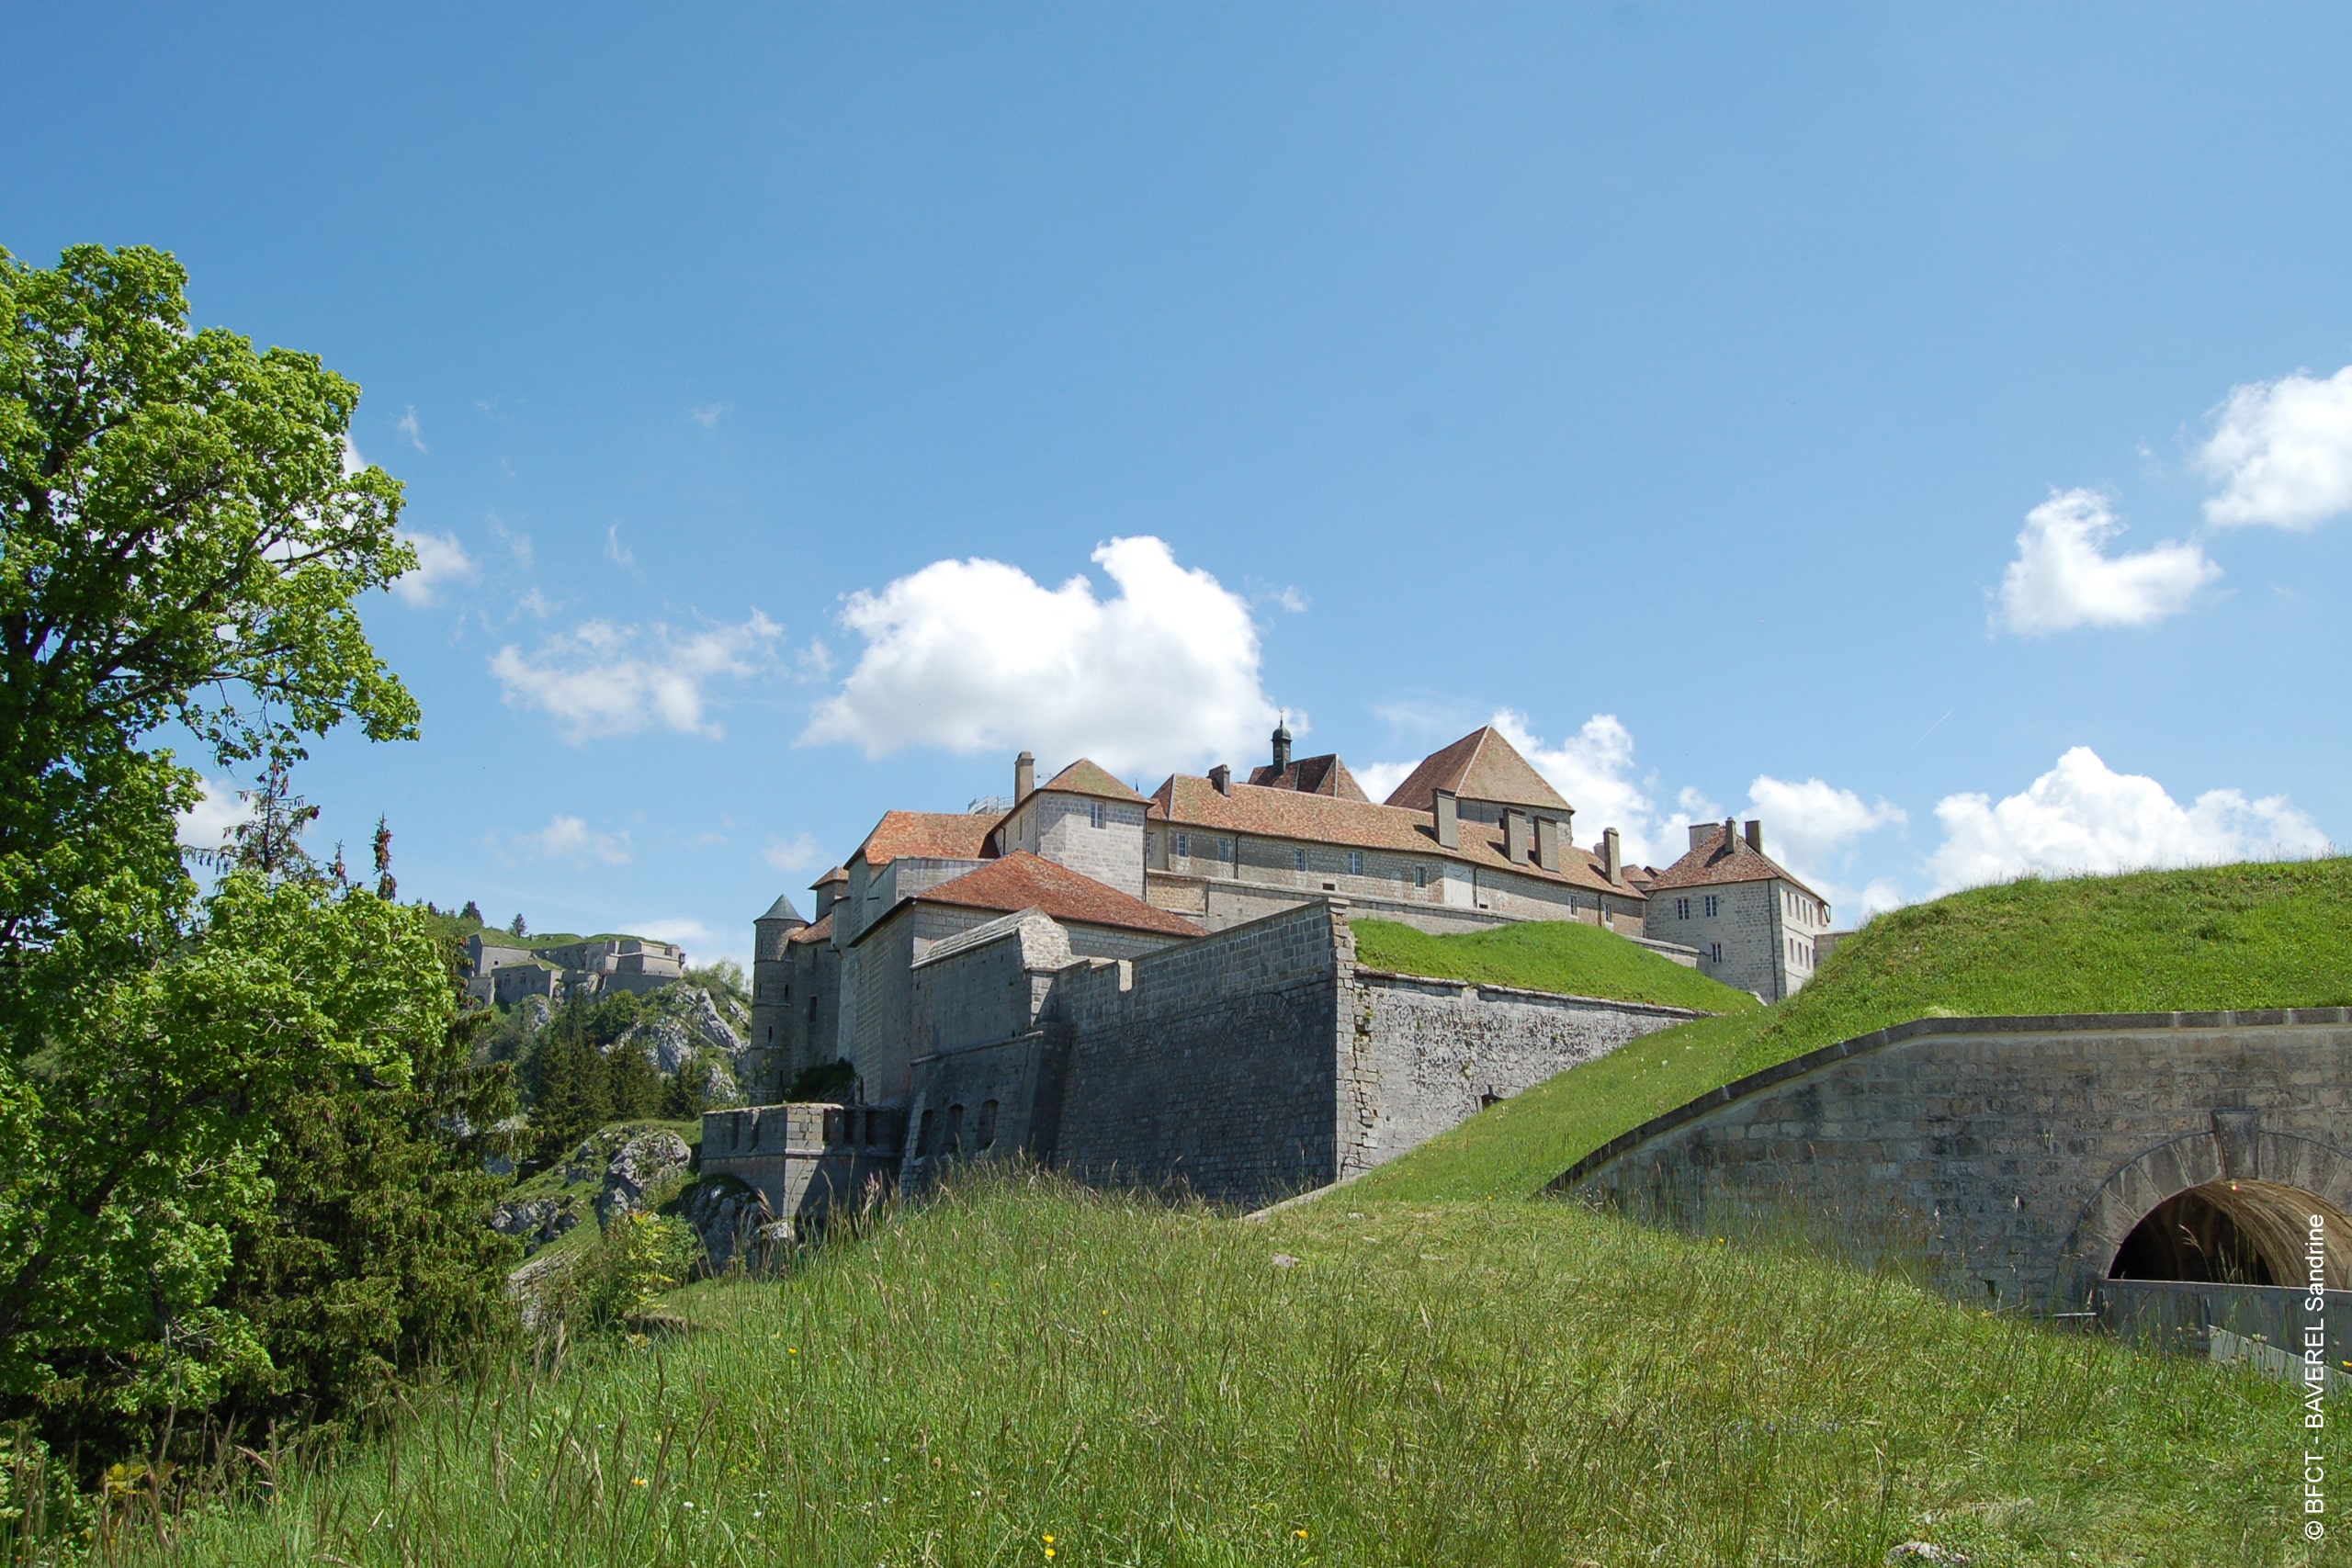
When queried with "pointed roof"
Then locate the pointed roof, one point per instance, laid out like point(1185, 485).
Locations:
point(927, 835)
point(838, 874)
point(1312, 776)
point(1721, 856)
point(1482, 765)
point(1086, 777)
point(1184, 801)
point(781, 910)
point(1022, 881)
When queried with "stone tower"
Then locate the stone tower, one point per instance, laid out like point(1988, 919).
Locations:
point(771, 989)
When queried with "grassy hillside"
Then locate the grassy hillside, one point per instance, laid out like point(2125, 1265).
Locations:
point(1037, 1376)
point(1547, 955)
point(2238, 936)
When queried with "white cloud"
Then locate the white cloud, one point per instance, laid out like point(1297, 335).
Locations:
point(1813, 827)
point(570, 838)
point(977, 656)
point(1812, 822)
point(352, 461)
point(686, 932)
point(799, 852)
point(709, 415)
point(518, 545)
point(617, 553)
point(2084, 816)
point(535, 604)
point(2282, 452)
point(1594, 770)
point(2063, 578)
point(406, 424)
point(1380, 779)
point(1696, 806)
point(205, 825)
point(600, 678)
point(1291, 600)
point(440, 561)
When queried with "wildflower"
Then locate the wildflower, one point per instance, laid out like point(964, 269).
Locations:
point(1301, 1534)
point(637, 1481)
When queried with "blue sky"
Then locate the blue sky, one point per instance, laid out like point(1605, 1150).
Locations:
point(1921, 429)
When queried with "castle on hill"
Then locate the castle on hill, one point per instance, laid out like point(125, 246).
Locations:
point(1017, 975)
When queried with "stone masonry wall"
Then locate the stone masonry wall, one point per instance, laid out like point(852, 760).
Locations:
point(1425, 1056)
point(2020, 1151)
point(803, 1158)
point(1213, 1064)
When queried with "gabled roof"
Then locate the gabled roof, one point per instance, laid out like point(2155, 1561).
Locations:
point(1022, 881)
point(927, 835)
point(1313, 775)
point(838, 874)
point(781, 910)
point(821, 931)
point(1084, 777)
point(1184, 801)
point(1482, 765)
point(1715, 862)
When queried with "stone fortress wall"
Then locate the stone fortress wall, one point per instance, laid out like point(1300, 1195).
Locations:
point(1241, 1066)
point(2025, 1150)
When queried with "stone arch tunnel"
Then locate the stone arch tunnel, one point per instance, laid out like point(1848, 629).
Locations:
point(2037, 1161)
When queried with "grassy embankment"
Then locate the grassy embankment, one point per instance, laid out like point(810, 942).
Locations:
point(1547, 955)
point(2237, 936)
point(1017, 1366)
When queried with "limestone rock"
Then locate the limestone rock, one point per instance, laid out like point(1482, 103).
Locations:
point(734, 1222)
point(538, 1220)
point(635, 1167)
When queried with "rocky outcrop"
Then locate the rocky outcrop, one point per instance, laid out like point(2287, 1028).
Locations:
point(735, 1225)
point(538, 1220)
point(636, 1168)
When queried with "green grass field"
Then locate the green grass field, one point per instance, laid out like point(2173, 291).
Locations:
point(1547, 955)
point(1023, 1367)
point(2237, 936)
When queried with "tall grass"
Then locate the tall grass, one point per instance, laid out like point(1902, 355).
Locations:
point(1024, 1373)
point(2207, 939)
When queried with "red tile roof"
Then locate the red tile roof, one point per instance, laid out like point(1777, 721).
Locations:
point(1024, 881)
point(821, 931)
point(838, 874)
point(1188, 802)
point(1084, 777)
point(1313, 775)
point(1482, 765)
point(1712, 864)
point(927, 835)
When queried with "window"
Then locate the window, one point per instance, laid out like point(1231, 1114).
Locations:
point(954, 1129)
point(927, 1134)
point(1682, 909)
point(1299, 860)
point(1421, 876)
point(1711, 905)
point(1225, 849)
point(1355, 862)
point(1715, 952)
point(1094, 812)
point(986, 1133)
point(1184, 845)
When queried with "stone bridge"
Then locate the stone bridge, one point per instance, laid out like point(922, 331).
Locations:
point(2035, 1158)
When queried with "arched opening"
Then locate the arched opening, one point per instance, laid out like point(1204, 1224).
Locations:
point(2238, 1232)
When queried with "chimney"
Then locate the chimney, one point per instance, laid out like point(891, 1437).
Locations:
point(1756, 835)
point(1025, 777)
point(1515, 844)
point(1446, 809)
point(1222, 776)
point(1731, 835)
point(1702, 833)
point(1613, 857)
point(1547, 842)
point(1281, 745)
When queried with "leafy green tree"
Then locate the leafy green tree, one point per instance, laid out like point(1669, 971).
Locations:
point(182, 544)
point(566, 1076)
point(632, 1083)
point(686, 1093)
